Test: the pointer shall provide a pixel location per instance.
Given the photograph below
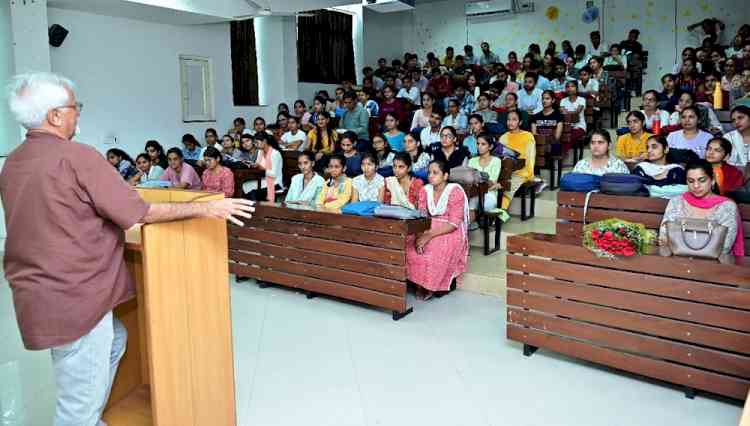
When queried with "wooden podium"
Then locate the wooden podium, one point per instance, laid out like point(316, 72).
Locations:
point(178, 368)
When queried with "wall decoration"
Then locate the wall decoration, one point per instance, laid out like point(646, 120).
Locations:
point(590, 14)
point(552, 13)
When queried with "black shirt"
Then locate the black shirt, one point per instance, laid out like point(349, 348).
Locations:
point(456, 159)
point(546, 124)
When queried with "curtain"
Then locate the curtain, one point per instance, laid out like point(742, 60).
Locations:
point(244, 63)
point(325, 48)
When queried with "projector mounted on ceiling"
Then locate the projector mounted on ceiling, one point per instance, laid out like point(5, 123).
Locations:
point(387, 6)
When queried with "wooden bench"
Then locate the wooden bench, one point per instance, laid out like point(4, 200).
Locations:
point(291, 166)
point(680, 320)
point(355, 258)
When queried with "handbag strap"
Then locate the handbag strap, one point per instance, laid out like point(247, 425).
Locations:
point(685, 231)
point(586, 204)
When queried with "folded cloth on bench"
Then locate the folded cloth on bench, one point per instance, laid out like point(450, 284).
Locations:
point(398, 212)
point(361, 208)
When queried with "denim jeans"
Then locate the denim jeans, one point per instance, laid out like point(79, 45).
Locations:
point(84, 371)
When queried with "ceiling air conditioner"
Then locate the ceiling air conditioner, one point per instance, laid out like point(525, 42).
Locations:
point(489, 7)
point(387, 6)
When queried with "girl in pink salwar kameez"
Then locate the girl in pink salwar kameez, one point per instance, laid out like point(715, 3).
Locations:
point(439, 255)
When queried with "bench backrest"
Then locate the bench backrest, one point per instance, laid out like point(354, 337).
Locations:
point(648, 211)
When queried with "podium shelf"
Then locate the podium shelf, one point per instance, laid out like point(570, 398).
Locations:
point(133, 410)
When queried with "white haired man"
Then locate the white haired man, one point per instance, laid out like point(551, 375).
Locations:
point(65, 209)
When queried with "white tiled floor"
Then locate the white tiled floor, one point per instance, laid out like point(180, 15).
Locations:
point(325, 362)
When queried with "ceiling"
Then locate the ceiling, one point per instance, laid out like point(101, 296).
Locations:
point(189, 12)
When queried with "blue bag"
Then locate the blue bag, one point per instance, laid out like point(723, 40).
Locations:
point(579, 182)
point(361, 208)
point(623, 184)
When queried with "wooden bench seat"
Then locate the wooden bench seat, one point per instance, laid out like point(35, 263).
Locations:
point(356, 258)
point(681, 320)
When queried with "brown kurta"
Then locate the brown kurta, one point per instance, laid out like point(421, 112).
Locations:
point(65, 210)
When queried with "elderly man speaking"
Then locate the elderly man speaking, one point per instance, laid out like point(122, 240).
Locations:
point(66, 208)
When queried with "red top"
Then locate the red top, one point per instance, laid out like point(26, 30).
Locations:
point(415, 188)
point(441, 86)
point(223, 181)
point(65, 208)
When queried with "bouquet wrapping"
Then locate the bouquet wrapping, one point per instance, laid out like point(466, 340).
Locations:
point(617, 237)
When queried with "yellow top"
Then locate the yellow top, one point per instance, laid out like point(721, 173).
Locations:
point(324, 146)
point(337, 196)
point(523, 142)
point(627, 147)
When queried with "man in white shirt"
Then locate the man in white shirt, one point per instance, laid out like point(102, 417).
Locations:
point(419, 80)
point(430, 135)
point(596, 48)
point(488, 57)
point(574, 104)
point(409, 92)
point(294, 138)
point(469, 58)
point(530, 98)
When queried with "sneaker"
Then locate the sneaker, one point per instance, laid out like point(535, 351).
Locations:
point(541, 187)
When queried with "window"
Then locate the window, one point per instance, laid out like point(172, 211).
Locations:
point(196, 77)
point(244, 63)
point(325, 48)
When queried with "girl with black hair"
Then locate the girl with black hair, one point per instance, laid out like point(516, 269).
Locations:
point(147, 170)
point(490, 164)
point(402, 189)
point(270, 161)
point(420, 160)
point(337, 191)
point(369, 186)
point(216, 178)
point(348, 147)
point(382, 151)
point(657, 170)
point(122, 162)
point(192, 150)
point(322, 140)
point(438, 256)
point(306, 186)
point(728, 178)
point(156, 153)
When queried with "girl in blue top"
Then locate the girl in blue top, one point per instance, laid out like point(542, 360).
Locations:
point(192, 150)
point(393, 135)
point(306, 186)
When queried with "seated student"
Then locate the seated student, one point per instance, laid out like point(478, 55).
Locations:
point(466, 102)
point(483, 109)
point(122, 162)
point(147, 171)
point(393, 135)
point(294, 139)
point(306, 186)
point(391, 104)
point(247, 152)
point(217, 178)
point(574, 104)
point(745, 99)
point(490, 164)
point(281, 126)
point(548, 121)
point(651, 111)
point(322, 140)
point(522, 142)
point(601, 162)
point(707, 118)
point(705, 93)
point(440, 84)
point(656, 169)
point(472, 87)
point(337, 191)
point(409, 92)
point(447, 150)
point(339, 109)
point(238, 128)
point(597, 70)
point(616, 59)
point(631, 147)
point(688, 79)
point(272, 163)
point(455, 118)
point(728, 178)
point(530, 97)
point(439, 255)
point(422, 116)
point(740, 137)
point(259, 126)
point(511, 104)
point(192, 148)
point(587, 86)
point(581, 57)
point(476, 126)
point(731, 81)
point(383, 152)
point(701, 203)
point(156, 154)
point(349, 151)
point(431, 133)
point(690, 137)
point(301, 114)
point(419, 158)
point(372, 107)
point(369, 186)
point(557, 84)
point(669, 96)
point(179, 173)
point(228, 151)
point(319, 105)
point(402, 189)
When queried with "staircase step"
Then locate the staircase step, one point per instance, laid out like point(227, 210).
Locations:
point(514, 226)
point(485, 274)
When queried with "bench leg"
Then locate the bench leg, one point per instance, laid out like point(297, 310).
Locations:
point(559, 171)
point(529, 350)
point(533, 203)
point(689, 392)
point(523, 205)
point(242, 279)
point(498, 233)
point(311, 294)
point(486, 234)
point(263, 284)
point(552, 182)
point(398, 315)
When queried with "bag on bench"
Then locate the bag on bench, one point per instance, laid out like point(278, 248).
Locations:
point(623, 184)
point(361, 208)
point(580, 182)
point(467, 176)
point(701, 238)
point(397, 212)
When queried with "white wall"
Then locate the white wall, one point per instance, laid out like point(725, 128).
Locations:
point(435, 25)
point(127, 73)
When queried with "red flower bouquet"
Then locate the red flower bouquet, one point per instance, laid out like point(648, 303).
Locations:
point(616, 237)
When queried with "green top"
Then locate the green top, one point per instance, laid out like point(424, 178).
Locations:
point(358, 121)
point(492, 169)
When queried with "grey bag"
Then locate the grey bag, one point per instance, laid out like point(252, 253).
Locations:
point(397, 212)
point(701, 238)
point(463, 175)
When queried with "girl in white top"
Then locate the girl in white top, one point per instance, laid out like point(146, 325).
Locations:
point(295, 139)
point(652, 112)
point(574, 104)
point(306, 186)
point(369, 186)
point(690, 137)
point(422, 116)
point(740, 138)
point(146, 171)
point(601, 162)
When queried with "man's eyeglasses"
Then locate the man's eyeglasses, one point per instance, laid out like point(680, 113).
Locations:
point(78, 106)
